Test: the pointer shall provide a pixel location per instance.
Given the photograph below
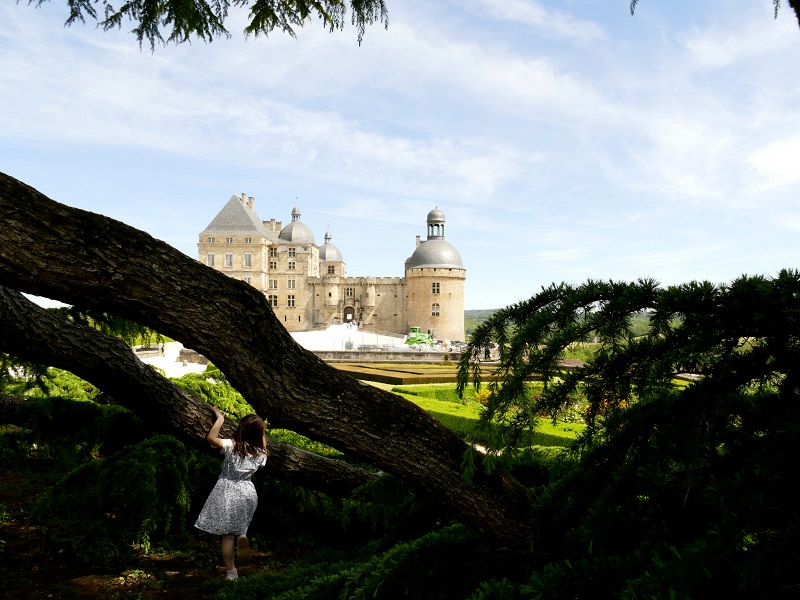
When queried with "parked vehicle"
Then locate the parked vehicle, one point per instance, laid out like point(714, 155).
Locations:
point(415, 336)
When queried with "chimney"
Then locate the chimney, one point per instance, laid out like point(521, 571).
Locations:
point(417, 240)
point(252, 201)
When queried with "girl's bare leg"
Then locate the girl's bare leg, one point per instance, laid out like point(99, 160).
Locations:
point(227, 553)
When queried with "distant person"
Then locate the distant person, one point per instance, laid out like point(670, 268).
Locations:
point(231, 504)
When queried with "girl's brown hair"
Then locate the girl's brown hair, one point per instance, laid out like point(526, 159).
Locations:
point(249, 437)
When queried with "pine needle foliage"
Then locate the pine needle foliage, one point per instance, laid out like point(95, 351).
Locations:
point(136, 497)
point(128, 331)
point(672, 491)
point(176, 21)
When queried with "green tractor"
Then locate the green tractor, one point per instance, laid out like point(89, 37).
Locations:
point(415, 336)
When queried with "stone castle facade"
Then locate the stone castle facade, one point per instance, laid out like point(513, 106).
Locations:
point(307, 286)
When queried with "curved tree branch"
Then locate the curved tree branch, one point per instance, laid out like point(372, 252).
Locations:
point(36, 334)
point(78, 257)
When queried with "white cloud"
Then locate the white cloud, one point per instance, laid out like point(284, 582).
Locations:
point(755, 36)
point(787, 220)
point(552, 133)
point(776, 162)
point(564, 255)
point(544, 20)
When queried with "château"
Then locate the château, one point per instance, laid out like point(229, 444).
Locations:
point(307, 285)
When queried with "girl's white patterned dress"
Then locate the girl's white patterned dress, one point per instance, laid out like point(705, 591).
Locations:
point(231, 504)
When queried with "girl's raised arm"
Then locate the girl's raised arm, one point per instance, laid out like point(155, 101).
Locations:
point(213, 434)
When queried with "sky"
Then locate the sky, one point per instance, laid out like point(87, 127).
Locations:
point(564, 141)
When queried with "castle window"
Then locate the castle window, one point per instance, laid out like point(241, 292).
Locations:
point(435, 287)
point(435, 310)
point(248, 240)
point(210, 240)
point(228, 259)
point(246, 278)
point(331, 270)
point(290, 300)
point(273, 300)
point(292, 252)
point(273, 284)
point(273, 252)
point(273, 264)
point(291, 265)
point(210, 259)
point(290, 283)
point(248, 259)
point(349, 292)
point(228, 240)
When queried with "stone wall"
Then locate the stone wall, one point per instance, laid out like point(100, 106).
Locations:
point(381, 356)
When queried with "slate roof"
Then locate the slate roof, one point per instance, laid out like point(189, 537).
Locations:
point(328, 251)
point(236, 217)
point(435, 253)
point(297, 232)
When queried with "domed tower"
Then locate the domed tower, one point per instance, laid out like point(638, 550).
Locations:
point(297, 232)
point(331, 268)
point(435, 279)
point(330, 259)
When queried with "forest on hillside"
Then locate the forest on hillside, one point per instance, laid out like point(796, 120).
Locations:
point(474, 317)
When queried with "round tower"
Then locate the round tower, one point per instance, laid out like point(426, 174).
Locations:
point(435, 277)
point(368, 296)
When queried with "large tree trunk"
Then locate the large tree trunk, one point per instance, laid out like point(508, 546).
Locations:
point(795, 4)
point(89, 260)
point(33, 333)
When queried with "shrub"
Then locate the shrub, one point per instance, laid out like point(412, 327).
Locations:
point(137, 496)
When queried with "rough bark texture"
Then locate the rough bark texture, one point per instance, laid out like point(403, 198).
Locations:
point(33, 333)
point(86, 259)
point(795, 4)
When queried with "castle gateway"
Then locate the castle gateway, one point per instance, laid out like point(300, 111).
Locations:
point(307, 286)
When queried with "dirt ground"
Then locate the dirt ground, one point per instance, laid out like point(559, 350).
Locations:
point(26, 572)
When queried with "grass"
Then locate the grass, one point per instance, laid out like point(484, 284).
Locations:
point(462, 415)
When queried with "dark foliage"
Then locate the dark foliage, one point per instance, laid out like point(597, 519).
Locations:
point(176, 21)
point(129, 332)
point(125, 493)
point(72, 432)
point(103, 510)
point(675, 490)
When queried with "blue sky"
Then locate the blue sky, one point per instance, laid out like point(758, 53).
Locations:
point(563, 140)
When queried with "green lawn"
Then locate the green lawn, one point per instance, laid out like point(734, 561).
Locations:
point(461, 416)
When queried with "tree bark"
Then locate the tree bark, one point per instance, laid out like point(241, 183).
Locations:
point(795, 4)
point(113, 367)
point(89, 260)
